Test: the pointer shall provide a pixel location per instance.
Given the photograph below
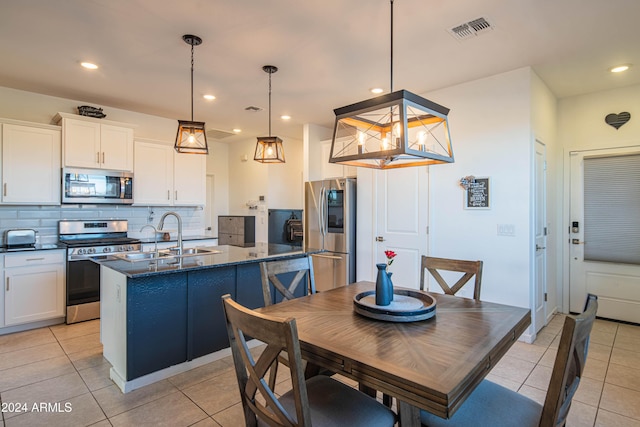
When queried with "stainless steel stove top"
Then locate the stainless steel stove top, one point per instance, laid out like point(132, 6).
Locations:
point(95, 237)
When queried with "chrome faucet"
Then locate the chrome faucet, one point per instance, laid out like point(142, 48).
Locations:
point(155, 238)
point(161, 225)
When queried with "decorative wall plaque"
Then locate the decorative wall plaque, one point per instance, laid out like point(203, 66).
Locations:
point(617, 120)
point(477, 196)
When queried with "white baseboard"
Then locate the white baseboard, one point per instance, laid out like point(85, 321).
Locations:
point(127, 386)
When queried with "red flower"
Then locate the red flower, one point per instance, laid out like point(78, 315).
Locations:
point(390, 256)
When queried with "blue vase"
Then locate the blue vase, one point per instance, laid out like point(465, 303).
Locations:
point(384, 287)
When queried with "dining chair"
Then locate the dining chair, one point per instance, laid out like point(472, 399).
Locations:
point(300, 273)
point(318, 401)
point(469, 268)
point(272, 272)
point(493, 405)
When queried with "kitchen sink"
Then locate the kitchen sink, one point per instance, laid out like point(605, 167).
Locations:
point(186, 252)
point(165, 254)
point(138, 256)
point(199, 251)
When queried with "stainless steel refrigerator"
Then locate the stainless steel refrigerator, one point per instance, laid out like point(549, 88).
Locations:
point(330, 224)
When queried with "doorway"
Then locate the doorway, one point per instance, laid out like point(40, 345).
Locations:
point(402, 219)
point(210, 222)
point(604, 231)
point(540, 229)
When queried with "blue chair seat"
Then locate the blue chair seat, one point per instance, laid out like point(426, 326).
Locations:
point(492, 405)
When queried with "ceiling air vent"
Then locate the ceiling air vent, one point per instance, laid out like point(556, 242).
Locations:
point(218, 134)
point(253, 108)
point(470, 29)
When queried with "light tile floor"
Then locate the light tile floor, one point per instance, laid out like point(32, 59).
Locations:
point(62, 367)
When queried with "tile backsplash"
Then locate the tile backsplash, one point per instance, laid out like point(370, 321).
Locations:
point(44, 219)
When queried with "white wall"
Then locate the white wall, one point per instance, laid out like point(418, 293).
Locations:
point(491, 136)
point(280, 184)
point(218, 167)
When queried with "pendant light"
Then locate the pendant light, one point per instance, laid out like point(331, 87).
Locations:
point(395, 130)
point(269, 148)
point(191, 137)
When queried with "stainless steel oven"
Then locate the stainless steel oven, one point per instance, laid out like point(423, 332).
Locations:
point(87, 239)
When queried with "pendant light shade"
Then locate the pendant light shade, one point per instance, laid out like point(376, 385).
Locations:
point(191, 137)
point(395, 130)
point(269, 149)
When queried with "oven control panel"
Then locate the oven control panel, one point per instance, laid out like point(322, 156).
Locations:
point(100, 250)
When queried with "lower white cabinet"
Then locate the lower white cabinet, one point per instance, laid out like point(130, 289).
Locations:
point(34, 286)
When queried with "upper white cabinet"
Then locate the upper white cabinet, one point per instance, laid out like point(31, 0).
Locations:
point(189, 179)
point(164, 177)
point(30, 164)
point(333, 170)
point(96, 143)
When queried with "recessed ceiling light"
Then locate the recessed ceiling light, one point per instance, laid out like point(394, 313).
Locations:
point(377, 90)
point(89, 65)
point(619, 68)
point(236, 130)
point(285, 117)
point(209, 97)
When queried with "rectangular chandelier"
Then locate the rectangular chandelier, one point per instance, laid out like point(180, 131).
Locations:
point(191, 138)
point(395, 130)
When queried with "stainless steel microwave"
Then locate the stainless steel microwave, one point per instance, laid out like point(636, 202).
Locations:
point(96, 186)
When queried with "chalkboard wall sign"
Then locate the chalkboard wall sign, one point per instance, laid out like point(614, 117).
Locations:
point(478, 194)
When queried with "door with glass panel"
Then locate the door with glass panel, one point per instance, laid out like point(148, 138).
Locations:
point(604, 232)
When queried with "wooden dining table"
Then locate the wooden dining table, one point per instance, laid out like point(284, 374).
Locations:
point(431, 364)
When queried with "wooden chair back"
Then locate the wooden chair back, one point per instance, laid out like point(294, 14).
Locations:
point(257, 395)
point(270, 270)
point(469, 268)
point(569, 364)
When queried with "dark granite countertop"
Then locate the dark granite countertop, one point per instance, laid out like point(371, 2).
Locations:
point(38, 247)
point(229, 255)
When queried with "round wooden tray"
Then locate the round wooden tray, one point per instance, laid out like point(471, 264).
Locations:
point(407, 306)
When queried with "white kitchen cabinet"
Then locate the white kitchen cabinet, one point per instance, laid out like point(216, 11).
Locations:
point(95, 143)
point(34, 286)
point(189, 179)
point(2, 296)
point(30, 165)
point(164, 177)
point(333, 170)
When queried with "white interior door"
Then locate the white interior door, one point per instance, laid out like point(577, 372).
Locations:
point(605, 232)
point(402, 219)
point(540, 227)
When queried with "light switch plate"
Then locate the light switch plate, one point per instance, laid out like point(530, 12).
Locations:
point(506, 230)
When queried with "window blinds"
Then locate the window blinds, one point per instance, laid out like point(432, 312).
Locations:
point(612, 209)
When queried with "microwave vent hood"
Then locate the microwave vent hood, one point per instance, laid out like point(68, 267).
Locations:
point(92, 186)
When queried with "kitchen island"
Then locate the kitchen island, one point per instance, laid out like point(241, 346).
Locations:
point(160, 317)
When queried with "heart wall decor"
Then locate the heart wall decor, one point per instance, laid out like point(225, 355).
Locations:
point(617, 120)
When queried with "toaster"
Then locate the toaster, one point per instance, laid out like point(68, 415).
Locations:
point(19, 238)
